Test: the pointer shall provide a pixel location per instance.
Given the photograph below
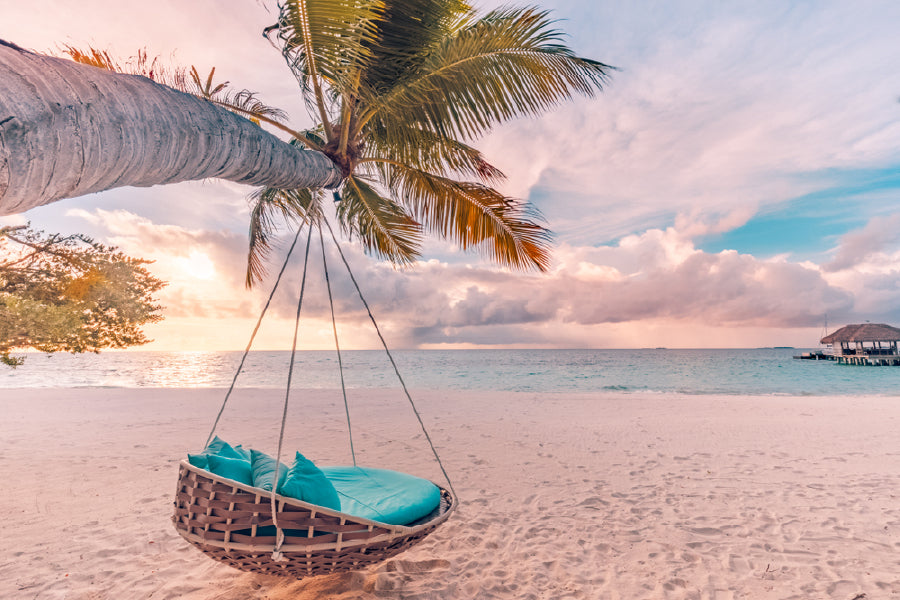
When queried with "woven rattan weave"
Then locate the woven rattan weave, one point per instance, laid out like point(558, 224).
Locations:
point(232, 523)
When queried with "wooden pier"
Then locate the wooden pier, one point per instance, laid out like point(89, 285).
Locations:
point(866, 359)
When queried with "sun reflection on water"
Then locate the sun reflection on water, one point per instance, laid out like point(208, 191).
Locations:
point(185, 369)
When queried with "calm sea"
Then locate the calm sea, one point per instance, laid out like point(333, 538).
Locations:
point(754, 372)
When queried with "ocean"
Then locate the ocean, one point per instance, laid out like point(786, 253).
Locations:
point(762, 371)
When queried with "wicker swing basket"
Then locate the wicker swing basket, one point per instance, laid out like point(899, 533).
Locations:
point(223, 519)
point(233, 523)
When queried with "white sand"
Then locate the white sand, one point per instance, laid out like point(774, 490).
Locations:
point(563, 496)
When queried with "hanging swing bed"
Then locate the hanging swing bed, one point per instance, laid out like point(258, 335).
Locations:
point(378, 514)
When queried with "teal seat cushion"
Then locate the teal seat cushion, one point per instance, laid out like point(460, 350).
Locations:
point(263, 467)
point(236, 469)
point(306, 482)
point(381, 495)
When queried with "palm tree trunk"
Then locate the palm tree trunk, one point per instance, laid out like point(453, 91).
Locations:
point(68, 129)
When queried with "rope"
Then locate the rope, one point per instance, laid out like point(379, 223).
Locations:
point(279, 534)
point(252, 337)
point(337, 346)
point(393, 364)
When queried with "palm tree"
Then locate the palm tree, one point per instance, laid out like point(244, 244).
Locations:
point(399, 88)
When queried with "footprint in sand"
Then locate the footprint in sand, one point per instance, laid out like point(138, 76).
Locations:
point(706, 530)
point(738, 564)
point(594, 502)
point(411, 566)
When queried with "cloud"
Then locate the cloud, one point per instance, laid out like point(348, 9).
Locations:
point(13, 220)
point(718, 112)
point(857, 246)
point(204, 268)
point(727, 289)
point(657, 277)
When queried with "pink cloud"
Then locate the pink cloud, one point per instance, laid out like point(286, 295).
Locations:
point(656, 277)
point(857, 246)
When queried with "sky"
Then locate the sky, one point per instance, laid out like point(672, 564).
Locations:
point(736, 184)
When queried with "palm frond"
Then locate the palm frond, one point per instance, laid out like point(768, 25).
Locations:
point(328, 39)
point(242, 102)
point(270, 208)
point(383, 226)
point(428, 151)
point(205, 89)
point(407, 31)
point(472, 215)
point(509, 63)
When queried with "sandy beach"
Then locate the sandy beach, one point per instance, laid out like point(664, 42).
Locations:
point(595, 496)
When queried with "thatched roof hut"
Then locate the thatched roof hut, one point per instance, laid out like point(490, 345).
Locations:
point(866, 332)
point(867, 343)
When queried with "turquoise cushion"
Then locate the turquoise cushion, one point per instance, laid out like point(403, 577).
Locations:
point(245, 454)
point(236, 469)
point(201, 461)
point(263, 467)
point(382, 495)
point(223, 448)
point(307, 483)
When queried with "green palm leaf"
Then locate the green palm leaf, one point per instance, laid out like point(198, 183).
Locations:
point(472, 214)
point(407, 31)
point(269, 209)
point(383, 227)
point(430, 152)
point(509, 63)
point(330, 38)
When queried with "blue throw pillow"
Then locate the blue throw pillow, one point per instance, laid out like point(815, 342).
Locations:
point(236, 469)
point(245, 454)
point(223, 448)
point(263, 467)
point(201, 461)
point(307, 483)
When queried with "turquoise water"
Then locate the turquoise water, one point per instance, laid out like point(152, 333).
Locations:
point(754, 372)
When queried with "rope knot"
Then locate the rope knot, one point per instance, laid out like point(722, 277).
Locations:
point(277, 554)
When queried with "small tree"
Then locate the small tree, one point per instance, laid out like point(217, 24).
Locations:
point(70, 293)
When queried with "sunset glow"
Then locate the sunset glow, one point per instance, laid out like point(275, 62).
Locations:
point(736, 185)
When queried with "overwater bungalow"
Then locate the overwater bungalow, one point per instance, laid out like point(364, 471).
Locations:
point(865, 344)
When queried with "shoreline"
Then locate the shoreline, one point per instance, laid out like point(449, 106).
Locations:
point(427, 391)
point(570, 495)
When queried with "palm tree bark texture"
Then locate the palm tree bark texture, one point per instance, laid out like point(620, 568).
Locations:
point(68, 129)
